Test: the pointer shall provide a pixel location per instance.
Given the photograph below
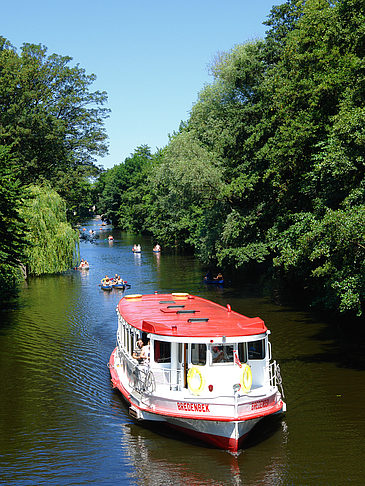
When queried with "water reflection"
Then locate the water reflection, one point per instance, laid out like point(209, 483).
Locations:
point(62, 424)
point(176, 460)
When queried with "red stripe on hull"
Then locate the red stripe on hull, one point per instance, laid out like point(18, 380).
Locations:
point(225, 443)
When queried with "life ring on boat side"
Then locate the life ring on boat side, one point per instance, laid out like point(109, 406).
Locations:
point(246, 380)
point(196, 380)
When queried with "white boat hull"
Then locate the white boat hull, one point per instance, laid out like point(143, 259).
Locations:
point(215, 423)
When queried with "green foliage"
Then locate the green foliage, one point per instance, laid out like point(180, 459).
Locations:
point(53, 241)
point(51, 129)
point(330, 252)
point(49, 118)
point(269, 168)
point(186, 186)
point(12, 239)
point(120, 189)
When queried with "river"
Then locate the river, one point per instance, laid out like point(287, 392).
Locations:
point(61, 423)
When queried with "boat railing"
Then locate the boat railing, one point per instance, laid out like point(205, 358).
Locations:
point(275, 376)
point(168, 378)
point(144, 379)
point(148, 380)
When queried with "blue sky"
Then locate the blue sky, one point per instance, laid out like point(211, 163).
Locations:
point(150, 57)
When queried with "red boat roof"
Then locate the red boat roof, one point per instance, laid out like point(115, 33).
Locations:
point(184, 315)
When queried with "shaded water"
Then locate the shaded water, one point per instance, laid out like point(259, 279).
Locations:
point(61, 423)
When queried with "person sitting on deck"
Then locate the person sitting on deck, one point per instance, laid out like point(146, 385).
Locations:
point(138, 351)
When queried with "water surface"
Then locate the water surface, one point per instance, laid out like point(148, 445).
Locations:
point(61, 423)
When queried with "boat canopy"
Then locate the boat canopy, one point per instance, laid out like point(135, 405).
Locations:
point(185, 315)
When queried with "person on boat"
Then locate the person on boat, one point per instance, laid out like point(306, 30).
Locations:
point(217, 354)
point(138, 351)
point(208, 275)
point(105, 281)
point(157, 248)
point(134, 247)
point(145, 354)
point(219, 277)
point(138, 247)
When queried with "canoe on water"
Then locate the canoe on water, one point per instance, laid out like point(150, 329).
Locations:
point(214, 281)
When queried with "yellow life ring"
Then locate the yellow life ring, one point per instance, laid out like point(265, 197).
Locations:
point(196, 380)
point(180, 295)
point(133, 296)
point(246, 379)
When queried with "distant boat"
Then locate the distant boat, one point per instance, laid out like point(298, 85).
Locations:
point(214, 281)
point(106, 287)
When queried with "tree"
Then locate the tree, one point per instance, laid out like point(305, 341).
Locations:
point(12, 226)
point(53, 242)
point(121, 190)
point(48, 117)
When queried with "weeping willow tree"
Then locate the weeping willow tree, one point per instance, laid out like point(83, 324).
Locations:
point(54, 243)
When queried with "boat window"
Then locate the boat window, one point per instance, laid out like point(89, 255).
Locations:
point(242, 352)
point(222, 353)
point(198, 354)
point(256, 349)
point(162, 352)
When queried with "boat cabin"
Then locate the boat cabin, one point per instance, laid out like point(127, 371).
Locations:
point(196, 347)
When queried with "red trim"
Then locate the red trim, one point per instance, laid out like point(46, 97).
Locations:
point(226, 443)
point(241, 418)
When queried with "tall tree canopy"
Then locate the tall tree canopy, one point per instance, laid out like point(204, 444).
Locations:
point(269, 167)
point(53, 242)
point(48, 117)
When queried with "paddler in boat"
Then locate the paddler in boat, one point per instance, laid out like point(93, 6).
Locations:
point(219, 277)
point(138, 351)
point(208, 275)
point(105, 280)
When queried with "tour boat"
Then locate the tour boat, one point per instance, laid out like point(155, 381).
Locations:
point(207, 370)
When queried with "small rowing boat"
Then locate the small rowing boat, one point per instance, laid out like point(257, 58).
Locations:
point(214, 281)
point(106, 287)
